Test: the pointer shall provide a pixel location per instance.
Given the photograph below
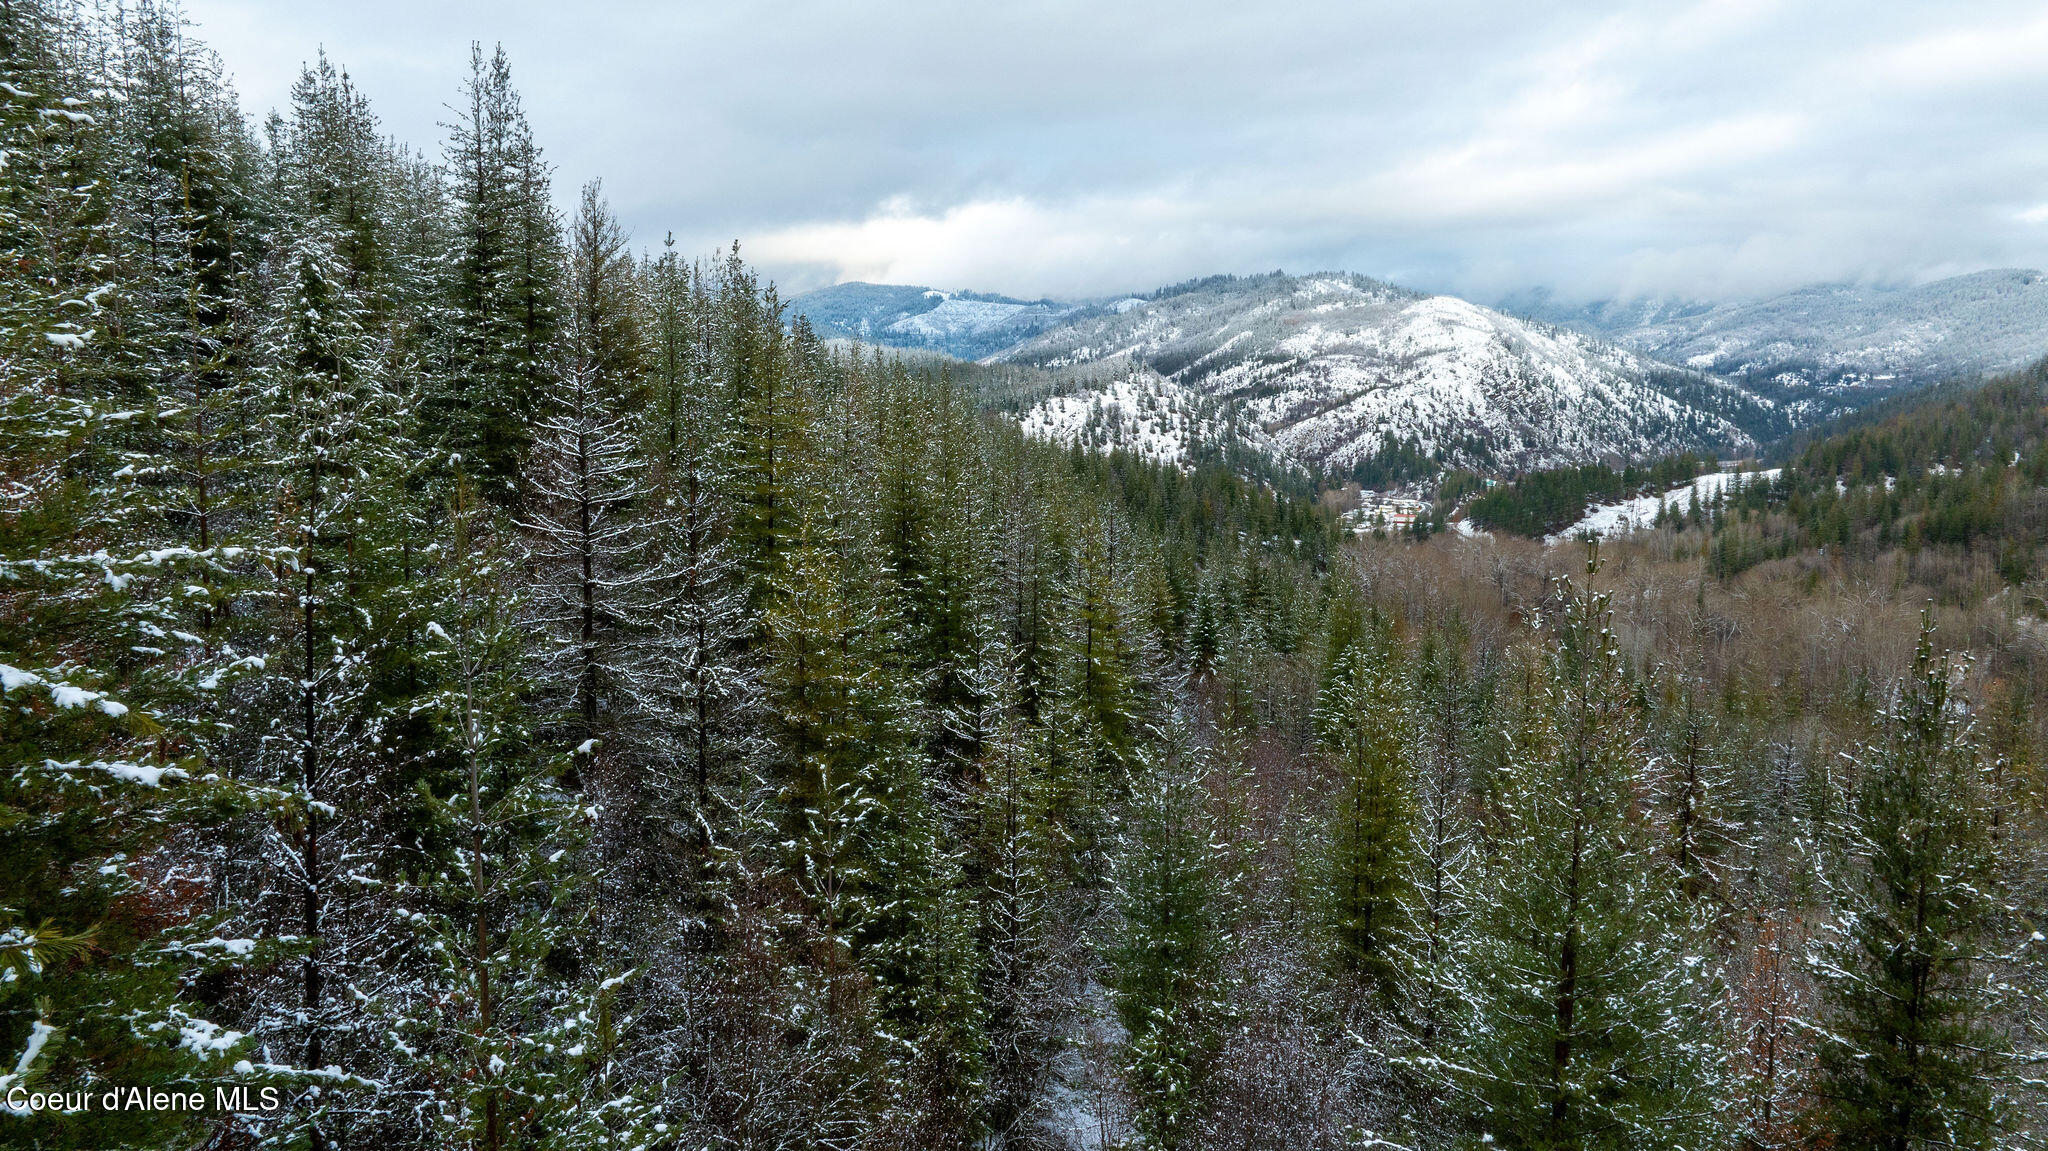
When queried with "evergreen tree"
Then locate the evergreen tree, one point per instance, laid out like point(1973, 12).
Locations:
point(1584, 1023)
point(702, 624)
point(1013, 863)
point(859, 832)
point(105, 934)
point(602, 311)
point(337, 456)
point(184, 221)
point(590, 553)
point(771, 418)
point(1168, 955)
point(1913, 1053)
point(1366, 722)
point(507, 695)
point(1099, 652)
point(1453, 715)
point(504, 283)
point(931, 529)
point(182, 209)
point(335, 169)
point(513, 1040)
point(1691, 787)
point(606, 539)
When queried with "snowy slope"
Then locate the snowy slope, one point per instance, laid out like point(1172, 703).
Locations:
point(1339, 369)
point(1140, 412)
point(955, 319)
point(1617, 519)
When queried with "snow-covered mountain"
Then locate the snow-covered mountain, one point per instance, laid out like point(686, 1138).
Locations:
point(969, 325)
point(1348, 373)
point(1355, 375)
point(1824, 349)
point(1603, 317)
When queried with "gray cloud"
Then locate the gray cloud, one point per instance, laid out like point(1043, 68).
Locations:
point(1709, 149)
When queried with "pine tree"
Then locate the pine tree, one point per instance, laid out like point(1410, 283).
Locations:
point(183, 208)
point(335, 169)
point(771, 417)
point(702, 625)
point(1691, 786)
point(1366, 723)
point(1584, 1027)
point(602, 312)
point(1099, 653)
point(513, 1042)
point(860, 835)
point(1014, 865)
point(336, 453)
point(510, 696)
point(930, 522)
point(103, 936)
point(1452, 712)
point(183, 216)
point(421, 238)
point(505, 314)
point(1168, 955)
point(584, 483)
point(602, 535)
point(1913, 1054)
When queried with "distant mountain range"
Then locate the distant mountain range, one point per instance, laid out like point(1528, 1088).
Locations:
point(1831, 347)
point(1358, 377)
point(969, 325)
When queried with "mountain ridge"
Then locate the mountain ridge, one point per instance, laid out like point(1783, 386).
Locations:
point(1350, 375)
point(1355, 376)
point(965, 324)
point(1826, 349)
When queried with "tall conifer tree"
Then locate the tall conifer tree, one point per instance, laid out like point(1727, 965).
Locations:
point(505, 280)
point(1584, 1026)
point(1914, 1052)
point(1366, 723)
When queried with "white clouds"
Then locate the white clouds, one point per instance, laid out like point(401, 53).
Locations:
point(1970, 57)
point(1721, 148)
point(1016, 245)
point(1594, 145)
point(1516, 179)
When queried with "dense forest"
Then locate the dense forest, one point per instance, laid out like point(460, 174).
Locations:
point(472, 682)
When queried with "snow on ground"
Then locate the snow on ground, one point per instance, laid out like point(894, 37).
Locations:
point(1616, 519)
point(960, 317)
point(1141, 412)
point(1082, 1110)
point(1338, 373)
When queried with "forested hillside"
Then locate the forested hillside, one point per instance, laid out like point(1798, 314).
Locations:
point(474, 683)
point(1961, 470)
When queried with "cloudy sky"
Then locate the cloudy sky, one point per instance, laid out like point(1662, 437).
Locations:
point(1713, 149)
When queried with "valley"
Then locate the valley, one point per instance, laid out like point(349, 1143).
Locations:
point(486, 671)
point(1353, 379)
